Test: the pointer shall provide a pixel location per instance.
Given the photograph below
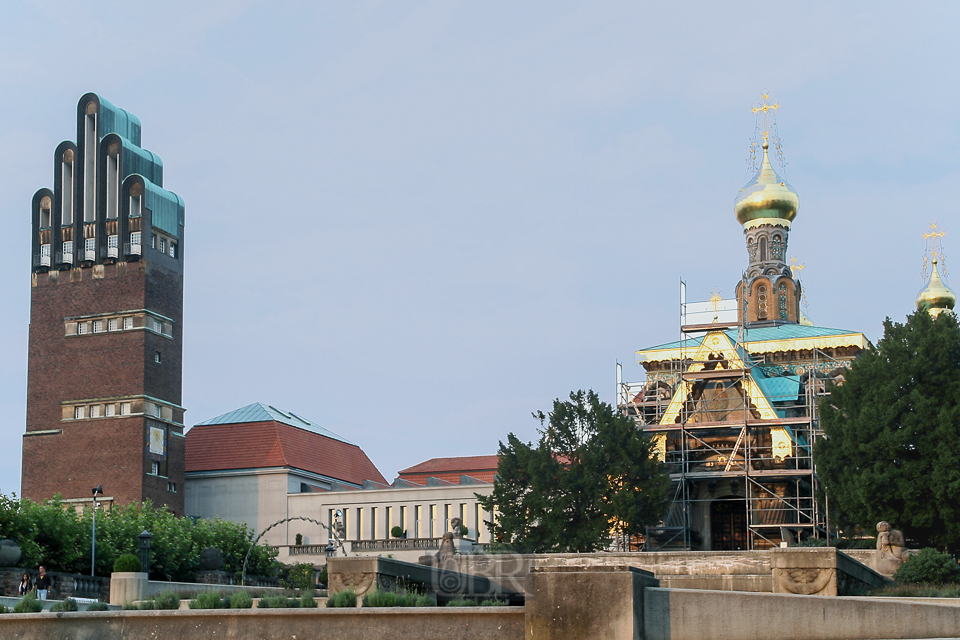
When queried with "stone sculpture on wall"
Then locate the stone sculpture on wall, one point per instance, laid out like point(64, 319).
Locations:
point(891, 549)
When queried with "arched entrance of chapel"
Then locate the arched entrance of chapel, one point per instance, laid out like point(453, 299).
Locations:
point(728, 524)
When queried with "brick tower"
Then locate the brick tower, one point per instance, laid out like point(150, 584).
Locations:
point(106, 311)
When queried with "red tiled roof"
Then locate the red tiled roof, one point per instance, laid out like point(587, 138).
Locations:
point(482, 468)
point(216, 447)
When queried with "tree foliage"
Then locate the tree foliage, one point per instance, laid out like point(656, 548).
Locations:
point(592, 473)
point(892, 450)
point(57, 536)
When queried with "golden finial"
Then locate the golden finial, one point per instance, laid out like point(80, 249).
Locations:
point(936, 297)
point(795, 266)
point(934, 233)
point(715, 299)
point(765, 134)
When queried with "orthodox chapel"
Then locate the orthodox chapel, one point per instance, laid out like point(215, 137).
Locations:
point(732, 405)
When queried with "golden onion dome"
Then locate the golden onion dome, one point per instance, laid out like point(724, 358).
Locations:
point(766, 197)
point(937, 297)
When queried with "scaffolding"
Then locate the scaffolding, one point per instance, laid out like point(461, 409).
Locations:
point(741, 474)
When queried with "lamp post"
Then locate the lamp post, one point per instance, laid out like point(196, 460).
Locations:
point(144, 540)
point(93, 537)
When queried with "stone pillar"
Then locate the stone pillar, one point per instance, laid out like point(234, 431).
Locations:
point(127, 586)
point(805, 571)
point(586, 602)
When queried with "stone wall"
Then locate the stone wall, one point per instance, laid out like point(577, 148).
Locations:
point(476, 623)
point(681, 614)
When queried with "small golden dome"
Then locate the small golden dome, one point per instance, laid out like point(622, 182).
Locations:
point(936, 297)
point(766, 196)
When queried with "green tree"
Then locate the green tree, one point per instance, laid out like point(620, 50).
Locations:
point(892, 446)
point(591, 473)
point(57, 536)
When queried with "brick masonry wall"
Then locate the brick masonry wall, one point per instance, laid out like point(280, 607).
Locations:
point(108, 451)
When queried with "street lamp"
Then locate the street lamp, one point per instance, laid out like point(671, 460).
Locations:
point(93, 537)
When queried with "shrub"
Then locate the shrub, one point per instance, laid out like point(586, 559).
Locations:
point(381, 599)
point(277, 602)
point(29, 604)
point(322, 576)
point(130, 606)
point(930, 566)
point(207, 600)
point(396, 599)
point(98, 606)
point(125, 563)
point(812, 542)
point(461, 603)
point(65, 605)
point(147, 605)
point(300, 577)
point(424, 601)
point(241, 600)
point(168, 600)
point(4, 609)
point(343, 599)
point(307, 602)
point(493, 603)
point(396, 532)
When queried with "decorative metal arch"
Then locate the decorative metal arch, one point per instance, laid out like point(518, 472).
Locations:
point(332, 532)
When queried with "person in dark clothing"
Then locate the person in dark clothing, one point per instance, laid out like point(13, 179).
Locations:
point(25, 585)
point(43, 584)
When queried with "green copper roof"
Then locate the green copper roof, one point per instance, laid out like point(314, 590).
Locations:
point(116, 120)
point(259, 412)
point(778, 389)
point(764, 334)
point(140, 161)
point(167, 208)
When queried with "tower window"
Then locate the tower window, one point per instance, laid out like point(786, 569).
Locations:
point(111, 410)
point(783, 301)
point(155, 468)
point(112, 324)
point(762, 302)
point(172, 487)
point(98, 326)
point(156, 357)
point(78, 413)
point(153, 241)
point(128, 323)
point(173, 249)
point(94, 411)
point(82, 328)
point(135, 238)
point(124, 408)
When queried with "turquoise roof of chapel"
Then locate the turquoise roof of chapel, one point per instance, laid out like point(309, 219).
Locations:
point(763, 334)
point(259, 412)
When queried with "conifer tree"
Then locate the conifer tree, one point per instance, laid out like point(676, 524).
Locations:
point(591, 474)
point(892, 446)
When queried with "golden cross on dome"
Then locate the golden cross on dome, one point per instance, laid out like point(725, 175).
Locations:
point(934, 233)
point(795, 266)
point(715, 299)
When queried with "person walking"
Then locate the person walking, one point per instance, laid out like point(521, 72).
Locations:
point(43, 584)
point(25, 585)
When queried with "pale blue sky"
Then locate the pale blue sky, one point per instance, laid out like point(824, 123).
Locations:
point(416, 223)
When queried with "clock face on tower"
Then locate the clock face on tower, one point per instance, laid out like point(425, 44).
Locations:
point(157, 441)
